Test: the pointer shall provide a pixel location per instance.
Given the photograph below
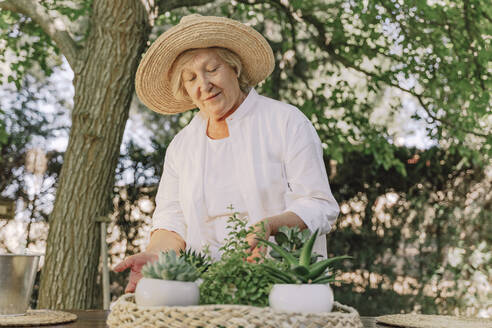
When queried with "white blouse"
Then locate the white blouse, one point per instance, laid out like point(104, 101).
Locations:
point(221, 192)
point(277, 162)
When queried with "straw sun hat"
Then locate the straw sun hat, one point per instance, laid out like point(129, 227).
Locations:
point(195, 31)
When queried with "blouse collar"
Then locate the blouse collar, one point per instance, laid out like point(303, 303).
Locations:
point(245, 106)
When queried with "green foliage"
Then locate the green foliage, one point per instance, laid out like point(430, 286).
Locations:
point(291, 241)
point(27, 48)
point(169, 266)
point(404, 247)
point(235, 243)
point(200, 261)
point(233, 280)
point(300, 270)
point(83, 8)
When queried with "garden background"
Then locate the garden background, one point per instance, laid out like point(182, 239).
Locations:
point(399, 92)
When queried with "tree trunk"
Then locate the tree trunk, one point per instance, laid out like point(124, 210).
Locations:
point(104, 86)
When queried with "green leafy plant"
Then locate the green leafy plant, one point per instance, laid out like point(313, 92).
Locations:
point(233, 280)
point(200, 261)
point(169, 266)
point(291, 239)
point(300, 270)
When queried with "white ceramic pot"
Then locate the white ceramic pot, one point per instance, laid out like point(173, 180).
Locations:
point(158, 292)
point(306, 298)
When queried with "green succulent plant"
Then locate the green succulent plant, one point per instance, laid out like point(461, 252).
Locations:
point(200, 261)
point(300, 270)
point(291, 239)
point(169, 266)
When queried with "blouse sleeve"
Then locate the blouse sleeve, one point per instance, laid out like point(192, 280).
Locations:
point(168, 213)
point(309, 194)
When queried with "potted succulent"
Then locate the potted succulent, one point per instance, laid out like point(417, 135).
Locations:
point(169, 281)
point(302, 284)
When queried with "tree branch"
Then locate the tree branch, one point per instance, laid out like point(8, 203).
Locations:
point(50, 22)
point(168, 5)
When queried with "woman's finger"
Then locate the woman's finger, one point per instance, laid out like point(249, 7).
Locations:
point(252, 244)
point(134, 278)
point(125, 264)
point(130, 288)
point(256, 253)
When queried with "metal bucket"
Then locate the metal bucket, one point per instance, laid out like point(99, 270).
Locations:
point(17, 274)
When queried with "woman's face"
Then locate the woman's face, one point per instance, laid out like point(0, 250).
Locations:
point(212, 84)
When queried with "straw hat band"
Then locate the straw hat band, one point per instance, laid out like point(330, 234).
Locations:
point(152, 80)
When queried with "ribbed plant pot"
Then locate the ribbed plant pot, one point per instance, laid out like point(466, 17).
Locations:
point(304, 298)
point(158, 292)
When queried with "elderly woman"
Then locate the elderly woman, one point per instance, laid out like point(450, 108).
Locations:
point(257, 154)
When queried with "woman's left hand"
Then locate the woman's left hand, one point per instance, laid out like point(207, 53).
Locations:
point(261, 230)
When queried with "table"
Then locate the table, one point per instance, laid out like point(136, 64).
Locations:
point(97, 319)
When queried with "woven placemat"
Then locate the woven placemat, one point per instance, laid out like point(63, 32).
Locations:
point(126, 314)
point(433, 321)
point(37, 318)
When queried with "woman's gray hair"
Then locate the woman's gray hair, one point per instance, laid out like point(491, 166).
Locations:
point(228, 56)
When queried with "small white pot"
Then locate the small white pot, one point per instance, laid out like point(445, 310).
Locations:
point(158, 292)
point(305, 298)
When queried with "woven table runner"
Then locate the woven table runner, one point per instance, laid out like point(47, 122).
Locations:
point(126, 314)
point(433, 321)
point(37, 318)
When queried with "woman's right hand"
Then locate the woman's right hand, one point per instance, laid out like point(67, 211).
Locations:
point(160, 241)
point(135, 263)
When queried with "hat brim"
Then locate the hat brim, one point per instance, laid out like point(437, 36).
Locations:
point(152, 81)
